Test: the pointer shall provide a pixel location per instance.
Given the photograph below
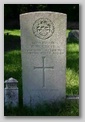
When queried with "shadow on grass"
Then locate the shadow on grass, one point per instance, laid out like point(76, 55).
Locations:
point(73, 61)
point(72, 40)
point(72, 90)
point(11, 42)
point(68, 108)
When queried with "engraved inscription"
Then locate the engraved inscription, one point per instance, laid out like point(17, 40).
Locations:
point(43, 28)
point(43, 67)
point(44, 47)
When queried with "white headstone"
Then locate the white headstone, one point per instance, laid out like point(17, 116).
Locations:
point(43, 46)
point(11, 92)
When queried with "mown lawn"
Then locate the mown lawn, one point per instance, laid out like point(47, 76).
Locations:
point(12, 68)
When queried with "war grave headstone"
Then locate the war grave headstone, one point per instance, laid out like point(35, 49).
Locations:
point(43, 48)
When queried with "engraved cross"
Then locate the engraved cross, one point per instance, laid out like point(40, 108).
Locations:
point(43, 67)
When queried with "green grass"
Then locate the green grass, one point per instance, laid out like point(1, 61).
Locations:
point(67, 32)
point(72, 70)
point(12, 68)
point(69, 108)
point(13, 32)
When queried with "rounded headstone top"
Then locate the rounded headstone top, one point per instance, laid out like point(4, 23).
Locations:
point(42, 12)
point(11, 80)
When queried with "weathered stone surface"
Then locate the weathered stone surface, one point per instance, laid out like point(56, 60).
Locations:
point(43, 46)
point(11, 92)
point(74, 34)
point(73, 98)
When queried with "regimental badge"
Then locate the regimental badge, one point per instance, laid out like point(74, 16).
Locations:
point(43, 28)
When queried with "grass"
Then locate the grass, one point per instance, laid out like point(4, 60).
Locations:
point(12, 68)
point(63, 109)
point(14, 32)
point(72, 71)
